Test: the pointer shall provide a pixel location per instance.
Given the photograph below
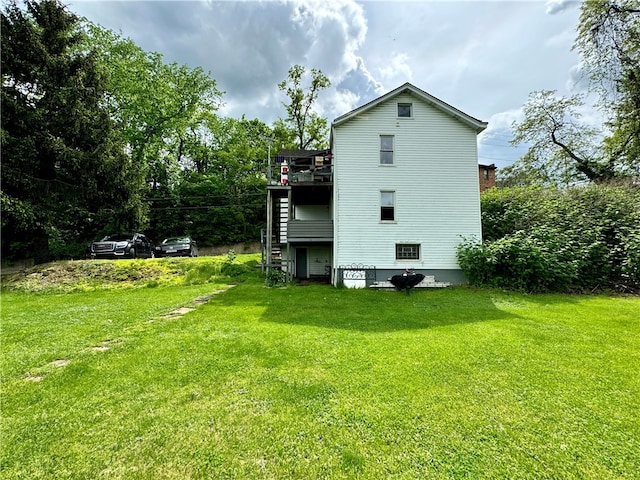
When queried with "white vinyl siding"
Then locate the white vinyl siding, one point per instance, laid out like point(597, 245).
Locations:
point(312, 212)
point(436, 187)
point(319, 260)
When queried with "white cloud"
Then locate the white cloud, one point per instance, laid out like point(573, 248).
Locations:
point(481, 57)
point(558, 6)
point(501, 123)
point(397, 71)
point(494, 143)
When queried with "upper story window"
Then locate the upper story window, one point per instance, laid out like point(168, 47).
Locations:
point(386, 149)
point(405, 110)
point(387, 206)
point(485, 173)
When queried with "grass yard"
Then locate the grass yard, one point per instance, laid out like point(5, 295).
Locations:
point(309, 382)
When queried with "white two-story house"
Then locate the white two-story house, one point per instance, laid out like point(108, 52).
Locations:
point(398, 189)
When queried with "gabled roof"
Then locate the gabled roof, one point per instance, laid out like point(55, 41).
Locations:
point(474, 123)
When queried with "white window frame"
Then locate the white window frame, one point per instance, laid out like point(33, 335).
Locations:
point(386, 150)
point(400, 255)
point(384, 204)
point(404, 105)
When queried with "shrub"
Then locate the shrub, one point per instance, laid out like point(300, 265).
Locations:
point(630, 267)
point(232, 269)
point(580, 238)
point(531, 262)
point(275, 277)
point(506, 211)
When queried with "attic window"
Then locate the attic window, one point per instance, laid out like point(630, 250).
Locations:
point(405, 110)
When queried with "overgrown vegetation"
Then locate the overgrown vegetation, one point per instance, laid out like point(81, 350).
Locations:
point(540, 240)
point(275, 277)
point(91, 275)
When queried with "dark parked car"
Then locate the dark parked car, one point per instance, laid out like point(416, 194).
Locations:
point(177, 247)
point(123, 245)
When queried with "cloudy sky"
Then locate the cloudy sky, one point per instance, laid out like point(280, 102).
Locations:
point(482, 57)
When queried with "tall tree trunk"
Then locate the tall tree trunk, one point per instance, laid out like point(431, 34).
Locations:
point(41, 253)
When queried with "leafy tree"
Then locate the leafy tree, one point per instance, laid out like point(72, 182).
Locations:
point(219, 197)
point(65, 173)
point(165, 112)
point(561, 149)
point(205, 207)
point(154, 103)
point(284, 136)
point(609, 42)
point(311, 131)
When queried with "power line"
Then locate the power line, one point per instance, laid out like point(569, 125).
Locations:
point(207, 207)
point(201, 197)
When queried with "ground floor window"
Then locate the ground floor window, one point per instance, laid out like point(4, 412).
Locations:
point(407, 251)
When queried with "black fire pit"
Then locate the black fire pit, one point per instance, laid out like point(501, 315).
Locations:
point(407, 280)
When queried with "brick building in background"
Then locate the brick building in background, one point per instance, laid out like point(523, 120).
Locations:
point(487, 176)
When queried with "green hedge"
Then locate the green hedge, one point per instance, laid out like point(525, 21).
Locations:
point(538, 240)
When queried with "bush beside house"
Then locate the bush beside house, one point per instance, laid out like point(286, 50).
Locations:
point(539, 240)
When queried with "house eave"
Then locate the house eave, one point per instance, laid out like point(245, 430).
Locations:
point(474, 123)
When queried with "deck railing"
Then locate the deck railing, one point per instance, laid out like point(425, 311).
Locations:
point(289, 174)
point(310, 230)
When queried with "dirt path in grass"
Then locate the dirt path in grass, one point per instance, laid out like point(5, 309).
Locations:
point(39, 373)
point(201, 300)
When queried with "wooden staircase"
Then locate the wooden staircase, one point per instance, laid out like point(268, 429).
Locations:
point(279, 232)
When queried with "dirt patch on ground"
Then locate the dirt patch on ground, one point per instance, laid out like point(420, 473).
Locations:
point(201, 300)
point(59, 363)
point(100, 348)
point(107, 344)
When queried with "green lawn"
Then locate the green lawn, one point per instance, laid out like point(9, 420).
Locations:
point(310, 382)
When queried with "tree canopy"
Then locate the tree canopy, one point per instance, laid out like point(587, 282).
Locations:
point(100, 136)
point(311, 130)
point(563, 149)
point(64, 168)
